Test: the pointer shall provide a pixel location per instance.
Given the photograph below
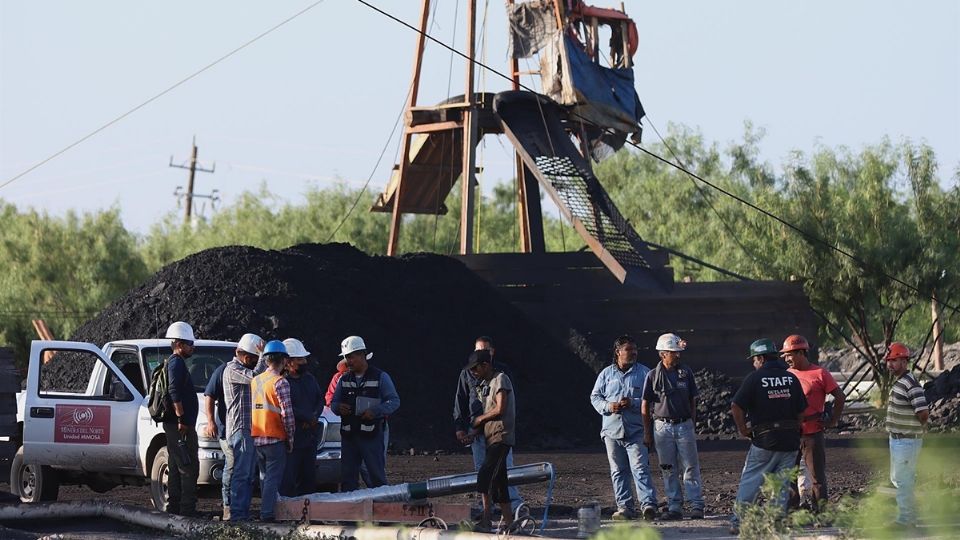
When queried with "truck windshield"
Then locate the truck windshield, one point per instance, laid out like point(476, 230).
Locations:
point(205, 360)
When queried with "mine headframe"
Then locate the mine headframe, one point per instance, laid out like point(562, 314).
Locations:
point(596, 106)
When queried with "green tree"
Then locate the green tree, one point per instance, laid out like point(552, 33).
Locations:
point(62, 270)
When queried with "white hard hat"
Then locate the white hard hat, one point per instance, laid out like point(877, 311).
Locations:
point(671, 342)
point(180, 330)
point(250, 343)
point(353, 343)
point(295, 348)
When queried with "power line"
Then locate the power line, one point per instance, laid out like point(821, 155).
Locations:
point(159, 95)
point(809, 236)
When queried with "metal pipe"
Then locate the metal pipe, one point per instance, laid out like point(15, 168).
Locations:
point(434, 487)
point(177, 524)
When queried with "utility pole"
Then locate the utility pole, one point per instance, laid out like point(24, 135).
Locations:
point(189, 195)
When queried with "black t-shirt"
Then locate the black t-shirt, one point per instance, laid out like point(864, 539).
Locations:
point(772, 395)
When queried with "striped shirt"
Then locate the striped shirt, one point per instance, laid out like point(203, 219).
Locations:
point(282, 387)
point(906, 400)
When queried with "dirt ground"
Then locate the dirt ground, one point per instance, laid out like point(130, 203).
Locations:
point(581, 476)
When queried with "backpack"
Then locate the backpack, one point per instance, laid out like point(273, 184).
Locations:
point(158, 401)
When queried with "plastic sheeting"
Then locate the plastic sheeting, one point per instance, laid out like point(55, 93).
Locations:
point(531, 25)
point(603, 96)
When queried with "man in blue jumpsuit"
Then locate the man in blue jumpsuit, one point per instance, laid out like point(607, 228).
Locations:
point(365, 395)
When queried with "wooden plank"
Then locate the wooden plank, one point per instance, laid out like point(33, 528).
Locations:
point(404, 153)
point(369, 511)
point(434, 127)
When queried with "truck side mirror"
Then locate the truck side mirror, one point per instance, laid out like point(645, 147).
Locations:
point(120, 392)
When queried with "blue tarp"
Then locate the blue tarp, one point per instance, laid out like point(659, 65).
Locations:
point(610, 91)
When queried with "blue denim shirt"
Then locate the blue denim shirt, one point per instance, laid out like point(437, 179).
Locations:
point(612, 385)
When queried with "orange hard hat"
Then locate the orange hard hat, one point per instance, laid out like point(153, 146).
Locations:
point(795, 343)
point(897, 350)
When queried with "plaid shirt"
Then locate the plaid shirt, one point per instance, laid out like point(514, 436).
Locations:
point(236, 394)
point(282, 387)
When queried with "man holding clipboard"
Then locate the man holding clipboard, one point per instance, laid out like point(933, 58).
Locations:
point(364, 397)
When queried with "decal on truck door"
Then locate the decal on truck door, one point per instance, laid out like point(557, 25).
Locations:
point(83, 424)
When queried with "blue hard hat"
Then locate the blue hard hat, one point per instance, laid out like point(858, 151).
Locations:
point(274, 347)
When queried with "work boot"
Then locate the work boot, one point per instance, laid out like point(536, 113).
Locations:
point(649, 513)
point(624, 514)
point(672, 515)
point(226, 513)
point(696, 513)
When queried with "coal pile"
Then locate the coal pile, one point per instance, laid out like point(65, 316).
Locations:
point(943, 395)
point(419, 314)
point(713, 406)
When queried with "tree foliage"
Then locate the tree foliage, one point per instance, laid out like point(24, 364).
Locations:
point(884, 206)
point(61, 269)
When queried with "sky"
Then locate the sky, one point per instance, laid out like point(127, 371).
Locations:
point(313, 102)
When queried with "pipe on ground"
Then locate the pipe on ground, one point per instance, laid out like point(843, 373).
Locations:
point(177, 524)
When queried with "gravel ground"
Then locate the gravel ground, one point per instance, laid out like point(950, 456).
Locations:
point(582, 476)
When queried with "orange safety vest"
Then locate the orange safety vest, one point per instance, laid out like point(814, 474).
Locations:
point(267, 420)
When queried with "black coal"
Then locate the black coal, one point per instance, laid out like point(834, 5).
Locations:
point(419, 314)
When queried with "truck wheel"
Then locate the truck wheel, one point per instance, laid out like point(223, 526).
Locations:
point(33, 483)
point(158, 480)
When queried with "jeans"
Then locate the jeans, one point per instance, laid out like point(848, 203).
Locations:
point(299, 475)
point(758, 464)
point(227, 472)
point(813, 454)
point(272, 458)
point(362, 449)
point(626, 456)
point(183, 469)
point(241, 482)
point(904, 455)
point(479, 450)
point(677, 451)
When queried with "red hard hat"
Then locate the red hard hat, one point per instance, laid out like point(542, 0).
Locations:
point(795, 343)
point(897, 350)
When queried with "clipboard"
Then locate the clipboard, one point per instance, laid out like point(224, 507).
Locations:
point(365, 403)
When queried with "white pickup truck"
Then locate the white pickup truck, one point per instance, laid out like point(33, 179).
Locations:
point(83, 419)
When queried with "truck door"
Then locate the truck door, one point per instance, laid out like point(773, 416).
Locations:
point(80, 411)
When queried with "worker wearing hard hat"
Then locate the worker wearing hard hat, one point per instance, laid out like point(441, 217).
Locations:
point(273, 426)
point(307, 398)
point(215, 404)
point(365, 396)
point(907, 414)
point(817, 384)
point(670, 420)
point(773, 401)
point(236, 393)
point(180, 428)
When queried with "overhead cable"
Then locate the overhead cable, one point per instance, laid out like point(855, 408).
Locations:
point(157, 96)
point(809, 236)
